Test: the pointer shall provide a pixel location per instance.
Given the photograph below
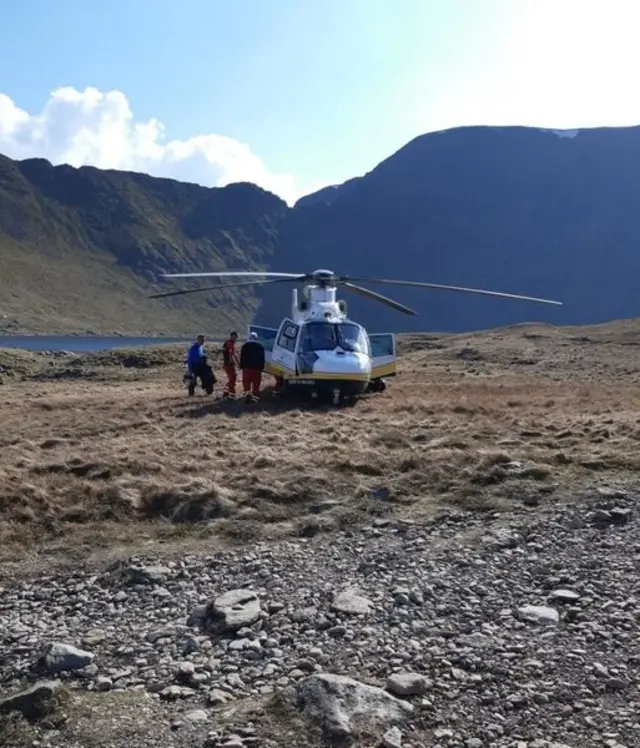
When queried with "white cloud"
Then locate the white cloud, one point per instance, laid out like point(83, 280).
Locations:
point(97, 128)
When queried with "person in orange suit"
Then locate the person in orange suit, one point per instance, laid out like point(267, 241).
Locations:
point(230, 364)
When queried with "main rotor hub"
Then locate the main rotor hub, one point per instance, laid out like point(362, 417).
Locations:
point(323, 278)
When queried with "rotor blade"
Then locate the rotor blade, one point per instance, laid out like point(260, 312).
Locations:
point(234, 273)
point(215, 288)
point(379, 297)
point(420, 284)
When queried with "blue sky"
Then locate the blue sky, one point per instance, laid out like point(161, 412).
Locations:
point(317, 92)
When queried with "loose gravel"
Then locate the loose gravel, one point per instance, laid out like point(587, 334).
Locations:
point(475, 631)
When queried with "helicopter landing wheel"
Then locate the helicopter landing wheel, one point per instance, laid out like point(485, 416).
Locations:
point(377, 385)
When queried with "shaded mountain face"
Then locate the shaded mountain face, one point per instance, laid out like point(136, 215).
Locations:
point(327, 195)
point(512, 209)
point(546, 214)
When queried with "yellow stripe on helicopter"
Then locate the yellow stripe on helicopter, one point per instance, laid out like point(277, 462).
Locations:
point(281, 371)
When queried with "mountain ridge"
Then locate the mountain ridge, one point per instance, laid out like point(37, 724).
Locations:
point(541, 212)
point(104, 236)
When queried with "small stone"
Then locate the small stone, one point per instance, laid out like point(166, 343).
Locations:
point(233, 610)
point(186, 668)
point(233, 741)
point(337, 631)
point(615, 684)
point(392, 738)
point(620, 515)
point(408, 684)
point(351, 603)
point(601, 517)
point(564, 596)
point(93, 637)
point(171, 693)
point(540, 614)
point(103, 683)
point(217, 697)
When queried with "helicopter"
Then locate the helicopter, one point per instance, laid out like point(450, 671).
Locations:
point(318, 348)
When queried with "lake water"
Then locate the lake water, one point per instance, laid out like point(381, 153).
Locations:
point(78, 343)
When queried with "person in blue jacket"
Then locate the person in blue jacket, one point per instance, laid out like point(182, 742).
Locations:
point(196, 354)
point(198, 367)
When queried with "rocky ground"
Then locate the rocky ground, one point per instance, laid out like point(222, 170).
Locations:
point(519, 630)
point(467, 577)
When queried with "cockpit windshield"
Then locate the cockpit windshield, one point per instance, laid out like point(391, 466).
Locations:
point(326, 336)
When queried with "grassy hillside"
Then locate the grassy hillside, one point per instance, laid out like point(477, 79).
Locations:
point(80, 249)
point(111, 446)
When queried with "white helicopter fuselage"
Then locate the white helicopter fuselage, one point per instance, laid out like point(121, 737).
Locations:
point(320, 348)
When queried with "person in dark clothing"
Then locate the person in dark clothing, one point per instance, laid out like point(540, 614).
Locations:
point(252, 359)
point(198, 367)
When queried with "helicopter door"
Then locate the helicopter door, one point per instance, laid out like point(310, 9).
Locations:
point(383, 355)
point(284, 352)
point(266, 336)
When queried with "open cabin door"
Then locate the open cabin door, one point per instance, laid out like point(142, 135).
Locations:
point(279, 347)
point(383, 354)
point(284, 354)
point(267, 337)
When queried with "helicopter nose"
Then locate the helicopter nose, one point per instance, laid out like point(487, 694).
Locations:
point(341, 362)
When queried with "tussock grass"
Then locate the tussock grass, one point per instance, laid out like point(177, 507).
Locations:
point(126, 457)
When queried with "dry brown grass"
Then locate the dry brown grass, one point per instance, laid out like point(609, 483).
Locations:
point(121, 456)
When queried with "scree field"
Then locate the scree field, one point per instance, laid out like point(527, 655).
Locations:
point(454, 562)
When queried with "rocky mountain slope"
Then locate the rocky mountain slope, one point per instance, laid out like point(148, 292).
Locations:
point(80, 249)
point(512, 209)
point(523, 210)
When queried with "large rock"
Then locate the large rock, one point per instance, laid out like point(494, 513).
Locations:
point(60, 657)
point(233, 610)
point(33, 703)
point(335, 701)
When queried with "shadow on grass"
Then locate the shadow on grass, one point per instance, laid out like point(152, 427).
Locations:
point(269, 403)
